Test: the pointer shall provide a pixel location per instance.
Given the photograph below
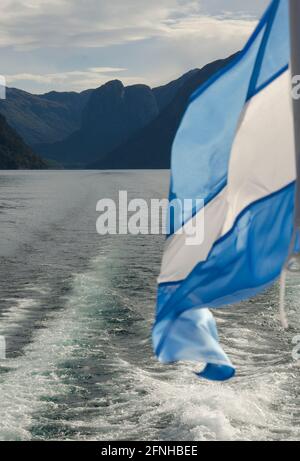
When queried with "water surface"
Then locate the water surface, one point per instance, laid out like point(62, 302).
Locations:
point(76, 310)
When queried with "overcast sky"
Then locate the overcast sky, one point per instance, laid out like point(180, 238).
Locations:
point(79, 44)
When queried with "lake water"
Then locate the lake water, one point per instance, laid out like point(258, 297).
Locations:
point(76, 310)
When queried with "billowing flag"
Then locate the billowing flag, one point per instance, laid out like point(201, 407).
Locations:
point(235, 150)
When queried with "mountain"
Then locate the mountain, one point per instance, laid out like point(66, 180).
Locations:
point(112, 115)
point(165, 93)
point(150, 147)
point(112, 126)
point(44, 118)
point(14, 153)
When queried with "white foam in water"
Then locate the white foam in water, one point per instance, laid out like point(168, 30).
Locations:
point(35, 375)
point(192, 410)
point(17, 311)
point(168, 405)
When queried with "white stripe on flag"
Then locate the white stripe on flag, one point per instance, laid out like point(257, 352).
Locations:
point(262, 161)
point(179, 258)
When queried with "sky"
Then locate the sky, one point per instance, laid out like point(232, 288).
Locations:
point(66, 45)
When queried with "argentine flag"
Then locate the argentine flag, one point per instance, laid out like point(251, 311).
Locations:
point(235, 149)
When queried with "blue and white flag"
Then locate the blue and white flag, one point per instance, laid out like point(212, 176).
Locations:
point(235, 150)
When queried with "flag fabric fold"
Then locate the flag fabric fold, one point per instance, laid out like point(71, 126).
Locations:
point(235, 150)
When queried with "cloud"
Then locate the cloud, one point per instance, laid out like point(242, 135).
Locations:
point(71, 44)
point(35, 23)
point(234, 8)
point(29, 24)
point(106, 69)
point(76, 80)
point(208, 28)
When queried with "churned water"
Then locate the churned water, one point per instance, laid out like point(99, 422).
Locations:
point(76, 311)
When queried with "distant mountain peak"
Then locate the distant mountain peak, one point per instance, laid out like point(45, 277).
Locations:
point(111, 85)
